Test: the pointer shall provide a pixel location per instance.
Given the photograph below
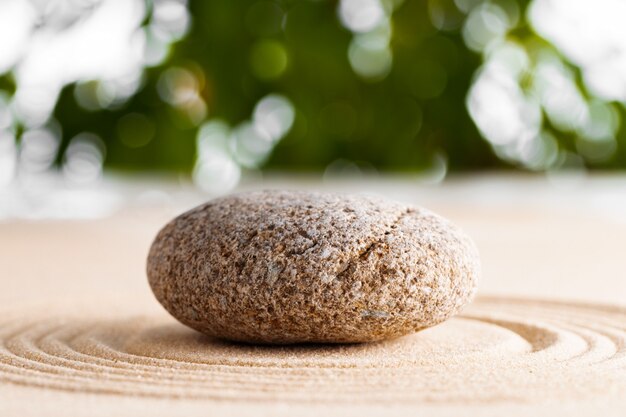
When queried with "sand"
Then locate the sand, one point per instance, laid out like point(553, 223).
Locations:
point(80, 332)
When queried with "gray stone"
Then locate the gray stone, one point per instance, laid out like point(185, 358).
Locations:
point(289, 267)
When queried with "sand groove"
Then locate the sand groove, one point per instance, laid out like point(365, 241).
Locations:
point(500, 346)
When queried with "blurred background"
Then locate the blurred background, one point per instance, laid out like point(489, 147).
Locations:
point(215, 93)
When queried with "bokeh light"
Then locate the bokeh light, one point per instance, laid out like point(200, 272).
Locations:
point(83, 159)
point(8, 158)
point(361, 15)
point(181, 88)
point(370, 55)
point(215, 171)
point(38, 150)
point(268, 59)
point(223, 151)
point(274, 115)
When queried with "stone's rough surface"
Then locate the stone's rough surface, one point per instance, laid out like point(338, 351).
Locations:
point(288, 267)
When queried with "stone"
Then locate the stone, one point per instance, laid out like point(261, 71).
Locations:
point(281, 267)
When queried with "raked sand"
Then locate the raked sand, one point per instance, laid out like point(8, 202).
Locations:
point(81, 334)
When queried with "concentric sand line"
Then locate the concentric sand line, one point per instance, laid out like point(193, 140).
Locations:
point(497, 347)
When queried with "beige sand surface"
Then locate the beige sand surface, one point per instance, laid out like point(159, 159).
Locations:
point(80, 333)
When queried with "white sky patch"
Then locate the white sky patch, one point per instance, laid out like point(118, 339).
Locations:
point(104, 45)
point(17, 19)
point(512, 88)
point(592, 35)
point(48, 45)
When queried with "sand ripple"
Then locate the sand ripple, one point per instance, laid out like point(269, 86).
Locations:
point(500, 349)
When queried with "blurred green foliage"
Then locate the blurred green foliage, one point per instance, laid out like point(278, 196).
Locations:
point(244, 50)
point(240, 51)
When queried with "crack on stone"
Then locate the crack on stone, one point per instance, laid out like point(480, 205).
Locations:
point(305, 234)
point(302, 251)
point(364, 253)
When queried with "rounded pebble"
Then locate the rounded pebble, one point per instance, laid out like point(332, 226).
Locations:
point(282, 267)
